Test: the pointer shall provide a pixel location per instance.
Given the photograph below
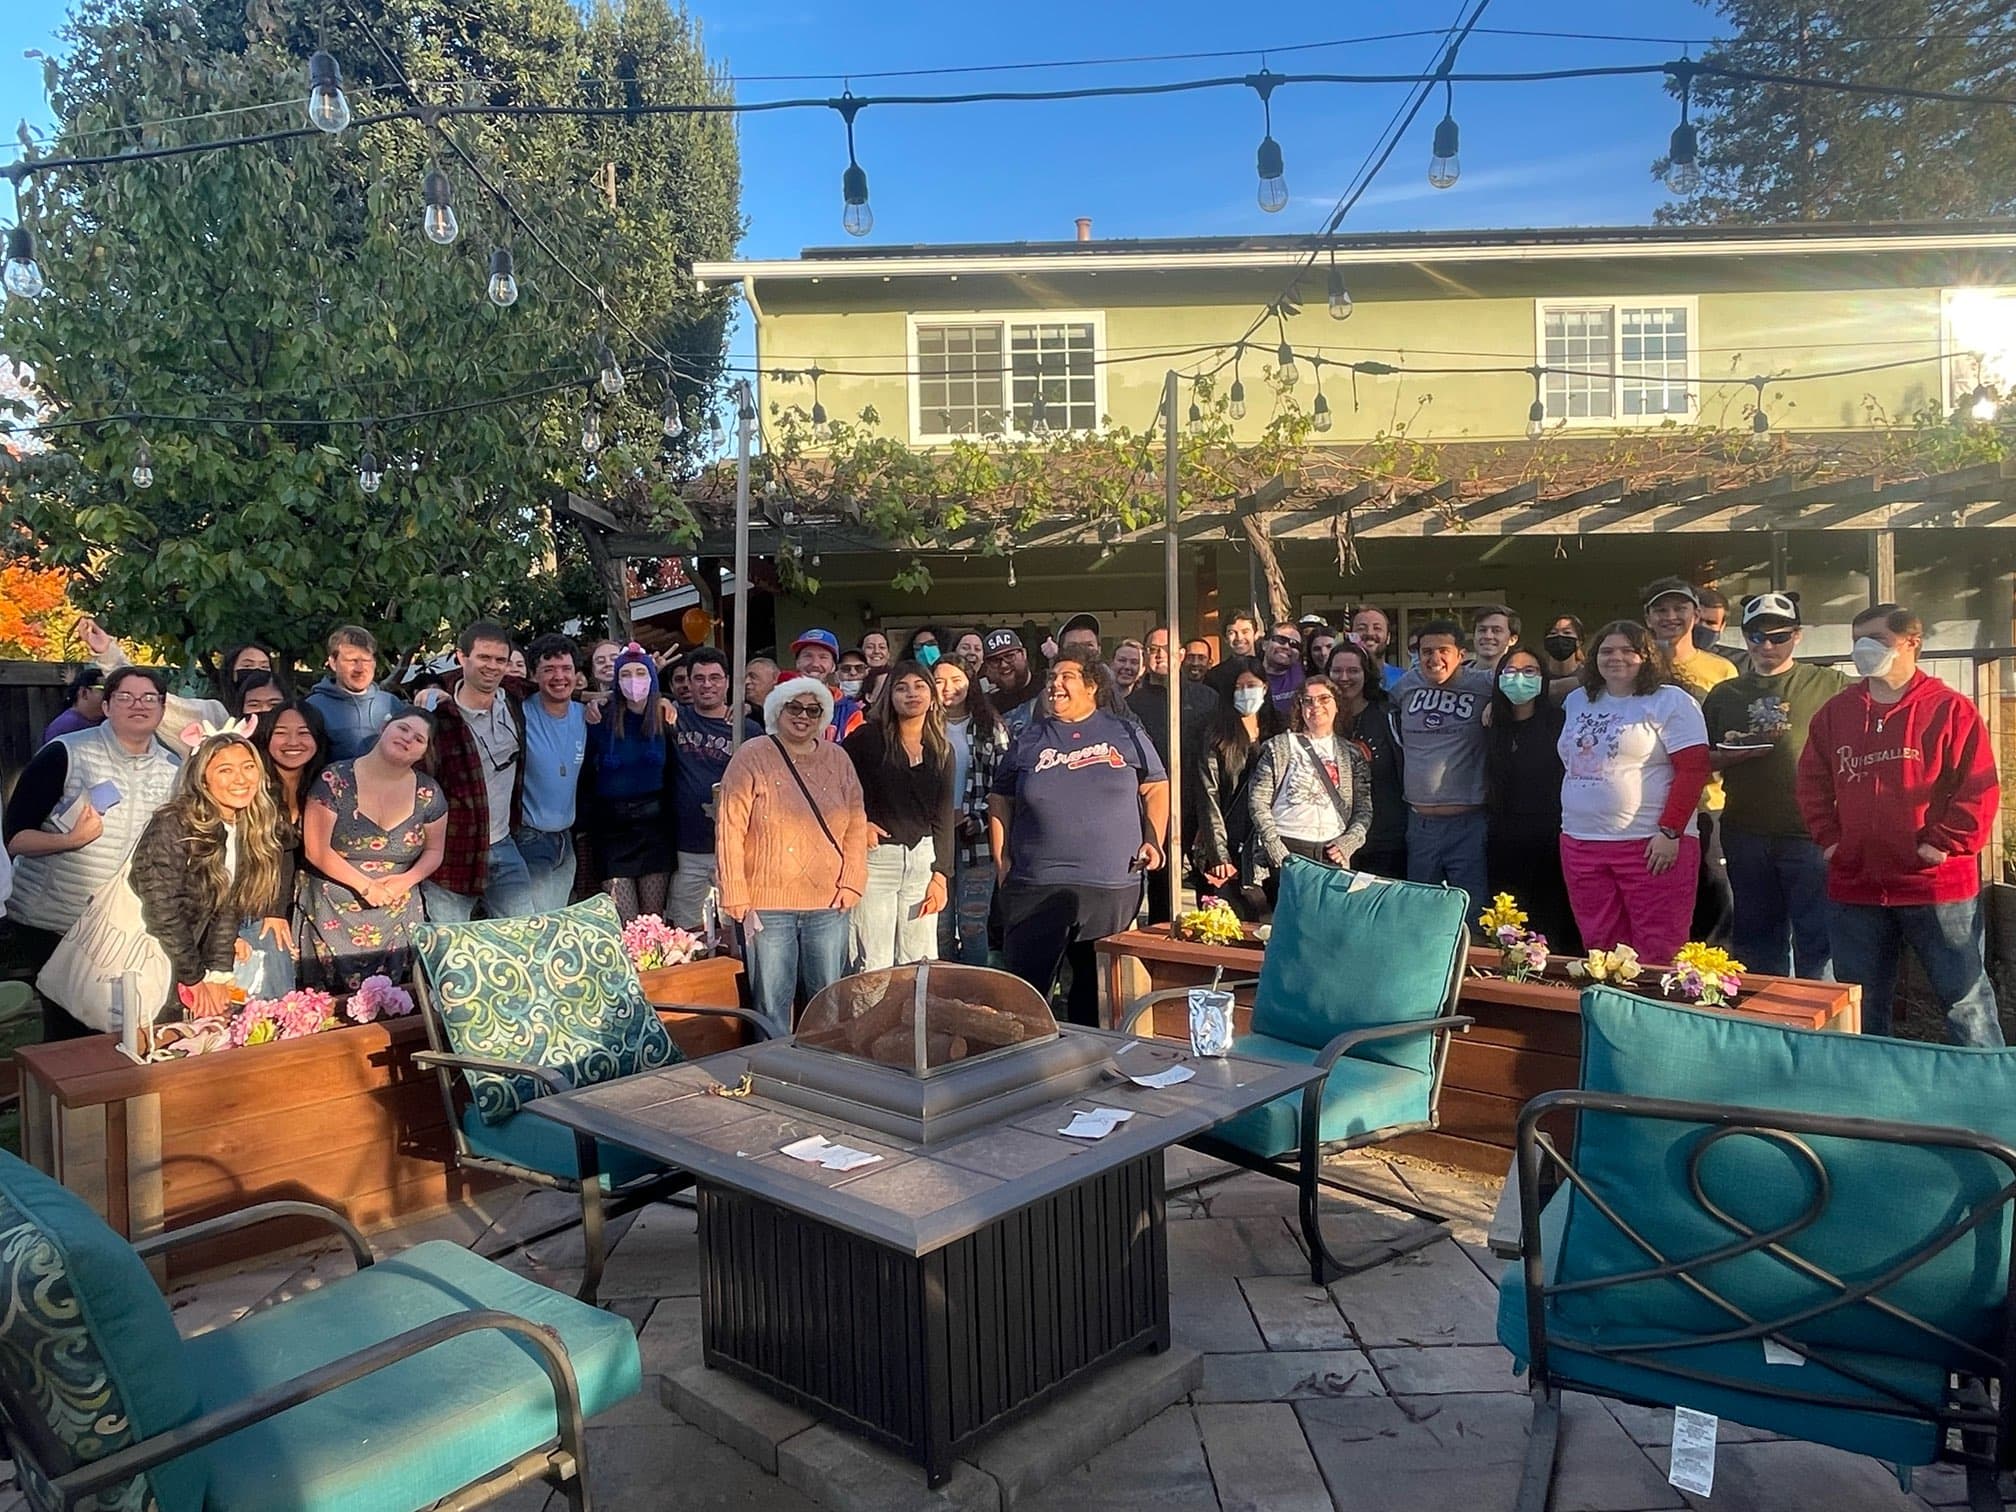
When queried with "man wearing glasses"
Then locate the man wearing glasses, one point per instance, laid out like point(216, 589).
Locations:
point(479, 754)
point(1281, 665)
point(1758, 723)
point(71, 825)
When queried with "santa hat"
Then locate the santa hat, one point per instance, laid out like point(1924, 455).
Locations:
point(795, 685)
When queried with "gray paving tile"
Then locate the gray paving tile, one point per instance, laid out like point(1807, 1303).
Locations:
point(1433, 1295)
point(1247, 1246)
point(1446, 1368)
point(1160, 1464)
point(1769, 1477)
point(1287, 1375)
point(640, 1468)
point(1250, 1195)
point(1295, 1313)
point(670, 1341)
point(849, 1474)
point(1209, 1314)
point(659, 1256)
point(1259, 1460)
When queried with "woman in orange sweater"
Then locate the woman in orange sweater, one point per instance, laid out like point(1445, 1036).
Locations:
point(791, 840)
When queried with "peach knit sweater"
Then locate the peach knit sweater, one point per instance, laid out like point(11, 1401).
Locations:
point(769, 846)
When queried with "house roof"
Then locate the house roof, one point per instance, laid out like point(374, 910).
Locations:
point(1232, 252)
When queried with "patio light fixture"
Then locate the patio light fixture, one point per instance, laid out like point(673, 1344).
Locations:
point(857, 219)
point(609, 370)
point(143, 467)
point(1683, 171)
point(328, 106)
point(439, 223)
point(1273, 186)
point(22, 278)
point(1536, 413)
point(1443, 168)
point(369, 474)
point(503, 286)
point(1340, 297)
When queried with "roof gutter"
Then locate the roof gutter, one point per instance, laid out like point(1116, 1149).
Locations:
point(709, 274)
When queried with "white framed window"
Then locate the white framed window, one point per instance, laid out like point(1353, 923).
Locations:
point(979, 374)
point(1619, 362)
point(1978, 338)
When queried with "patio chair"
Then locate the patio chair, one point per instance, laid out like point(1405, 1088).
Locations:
point(1360, 977)
point(430, 1375)
point(516, 1009)
point(1807, 1233)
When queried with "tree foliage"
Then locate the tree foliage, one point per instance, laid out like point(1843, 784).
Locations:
point(1771, 152)
point(289, 282)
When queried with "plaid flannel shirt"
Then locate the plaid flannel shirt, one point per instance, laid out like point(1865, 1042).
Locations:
point(972, 804)
point(458, 765)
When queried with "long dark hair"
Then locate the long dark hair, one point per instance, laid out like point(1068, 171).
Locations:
point(262, 742)
point(1375, 676)
point(909, 651)
point(250, 679)
point(1502, 711)
point(1226, 733)
point(226, 678)
point(980, 710)
point(1545, 722)
point(1653, 671)
point(883, 717)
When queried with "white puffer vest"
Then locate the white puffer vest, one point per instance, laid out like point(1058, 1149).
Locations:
point(50, 891)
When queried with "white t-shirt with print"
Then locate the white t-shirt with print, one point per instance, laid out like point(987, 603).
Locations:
point(1303, 809)
point(1616, 756)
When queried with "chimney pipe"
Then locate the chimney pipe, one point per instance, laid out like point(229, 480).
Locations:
point(1084, 228)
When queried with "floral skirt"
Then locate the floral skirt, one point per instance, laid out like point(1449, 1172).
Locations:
point(346, 940)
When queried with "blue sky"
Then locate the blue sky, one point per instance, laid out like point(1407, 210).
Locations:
point(1533, 154)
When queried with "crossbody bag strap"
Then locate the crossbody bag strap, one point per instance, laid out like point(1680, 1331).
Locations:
point(1322, 771)
point(811, 803)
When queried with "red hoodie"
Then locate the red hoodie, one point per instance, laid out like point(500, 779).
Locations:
point(1879, 780)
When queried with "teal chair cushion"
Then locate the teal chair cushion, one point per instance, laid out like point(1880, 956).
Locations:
point(1358, 1097)
point(1887, 1200)
point(413, 1433)
point(1349, 951)
point(542, 1145)
point(1746, 1397)
point(553, 990)
point(89, 1348)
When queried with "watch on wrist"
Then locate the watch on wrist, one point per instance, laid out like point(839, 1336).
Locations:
point(1669, 832)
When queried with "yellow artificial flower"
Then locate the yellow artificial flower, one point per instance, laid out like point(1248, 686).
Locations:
point(1213, 924)
point(1504, 911)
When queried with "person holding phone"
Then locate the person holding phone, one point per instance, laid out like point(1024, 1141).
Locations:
point(75, 815)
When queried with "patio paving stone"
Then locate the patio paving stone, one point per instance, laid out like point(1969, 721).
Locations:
point(1295, 1313)
point(1259, 1460)
point(1160, 1464)
point(1287, 1375)
point(1446, 1368)
point(1432, 1295)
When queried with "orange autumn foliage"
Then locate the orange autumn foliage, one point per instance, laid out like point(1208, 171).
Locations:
point(35, 615)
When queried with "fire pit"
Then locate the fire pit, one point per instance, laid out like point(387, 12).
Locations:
point(895, 1230)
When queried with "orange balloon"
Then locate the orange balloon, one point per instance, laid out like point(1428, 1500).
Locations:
point(697, 625)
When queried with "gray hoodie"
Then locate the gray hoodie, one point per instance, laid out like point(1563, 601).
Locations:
point(354, 719)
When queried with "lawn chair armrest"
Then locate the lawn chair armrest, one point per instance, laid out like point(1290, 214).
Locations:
point(442, 1060)
point(1148, 1000)
point(85, 1481)
point(1351, 1039)
point(259, 1212)
point(756, 1021)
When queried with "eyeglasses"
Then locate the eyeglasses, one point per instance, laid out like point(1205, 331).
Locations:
point(804, 710)
point(1286, 640)
point(135, 700)
point(1768, 637)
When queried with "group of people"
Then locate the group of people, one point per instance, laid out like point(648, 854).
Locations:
point(968, 796)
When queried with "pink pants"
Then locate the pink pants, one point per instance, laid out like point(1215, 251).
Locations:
point(1617, 902)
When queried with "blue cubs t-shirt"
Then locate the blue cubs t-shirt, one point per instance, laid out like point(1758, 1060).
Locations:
point(700, 751)
point(1077, 792)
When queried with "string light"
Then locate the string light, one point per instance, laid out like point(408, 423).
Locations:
point(22, 278)
point(143, 467)
point(1237, 395)
point(1011, 569)
point(674, 423)
point(438, 223)
point(1536, 413)
point(328, 106)
point(1443, 168)
point(1759, 421)
point(1196, 417)
point(818, 409)
point(611, 371)
point(1983, 408)
point(1284, 363)
point(369, 474)
point(1273, 186)
point(1340, 297)
point(857, 219)
point(503, 287)
point(591, 425)
point(1039, 412)
point(1319, 413)
point(1683, 171)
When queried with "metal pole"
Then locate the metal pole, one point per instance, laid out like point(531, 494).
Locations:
point(745, 415)
point(1173, 850)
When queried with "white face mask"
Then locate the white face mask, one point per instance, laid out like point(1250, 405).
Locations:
point(851, 686)
point(1873, 658)
point(1248, 700)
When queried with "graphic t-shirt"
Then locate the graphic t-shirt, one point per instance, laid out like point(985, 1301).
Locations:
point(1077, 792)
point(700, 751)
point(1303, 808)
point(1759, 791)
point(1442, 737)
point(1616, 754)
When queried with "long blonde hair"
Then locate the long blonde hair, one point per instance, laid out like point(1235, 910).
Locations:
point(264, 836)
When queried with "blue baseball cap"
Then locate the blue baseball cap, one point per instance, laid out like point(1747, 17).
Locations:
point(823, 638)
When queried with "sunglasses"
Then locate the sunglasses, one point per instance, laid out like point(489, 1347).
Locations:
point(1768, 637)
point(804, 710)
point(1286, 640)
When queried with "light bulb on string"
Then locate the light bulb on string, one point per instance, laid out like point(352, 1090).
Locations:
point(1273, 185)
point(1759, 421)
point(1683, 150)
point(1196, 417)
point(143, 467)
point(1536, 412)
point(818, 409)
point(1340, 297)
point(1443, 168)
point(503, 286)
point(674, 425)
point(857, 219)
point(369, 474)
point(1284, 364)
point(328, 106)
point(1236, 397)
point(22, 278)
point(1011, 569)
point(610, 372)
point(1982, 407)
point(1319, 414)
point(438, 223)
point(1039, 413)
point(591, 426)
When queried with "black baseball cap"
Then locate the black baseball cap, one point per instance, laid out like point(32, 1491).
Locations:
point(998, 641)
point(1079, 622)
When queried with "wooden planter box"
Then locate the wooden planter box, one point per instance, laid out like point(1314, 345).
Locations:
point(342, 1118)
point(1527, 1040)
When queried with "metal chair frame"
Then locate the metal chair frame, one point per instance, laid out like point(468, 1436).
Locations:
point(560, 1463)
point(597, 1208)
point(1979, 1408)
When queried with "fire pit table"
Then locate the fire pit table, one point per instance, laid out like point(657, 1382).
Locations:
point(959, 1259)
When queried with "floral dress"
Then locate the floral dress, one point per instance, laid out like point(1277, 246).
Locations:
point(348, 940)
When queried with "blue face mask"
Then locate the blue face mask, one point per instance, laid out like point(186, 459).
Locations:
point(1521, 687)
point(928, 655)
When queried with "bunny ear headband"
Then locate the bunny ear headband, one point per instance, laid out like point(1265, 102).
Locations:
point(199, 730)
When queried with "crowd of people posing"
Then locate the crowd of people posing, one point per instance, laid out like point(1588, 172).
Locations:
point(959, 798)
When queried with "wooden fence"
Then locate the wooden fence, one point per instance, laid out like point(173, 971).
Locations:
point(31, 694)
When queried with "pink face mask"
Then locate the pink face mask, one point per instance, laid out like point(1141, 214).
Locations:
point(636, 686)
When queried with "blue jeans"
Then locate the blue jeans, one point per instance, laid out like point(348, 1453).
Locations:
point(507, 891)
point(1781, 904)
point(1450, 848)
point(269, 971)
point(549, 867)
point(794, 948)
point(962, 927)
point(1947, 938)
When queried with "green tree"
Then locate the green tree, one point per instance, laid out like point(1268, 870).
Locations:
point(290, 282)
point(1771, 152)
